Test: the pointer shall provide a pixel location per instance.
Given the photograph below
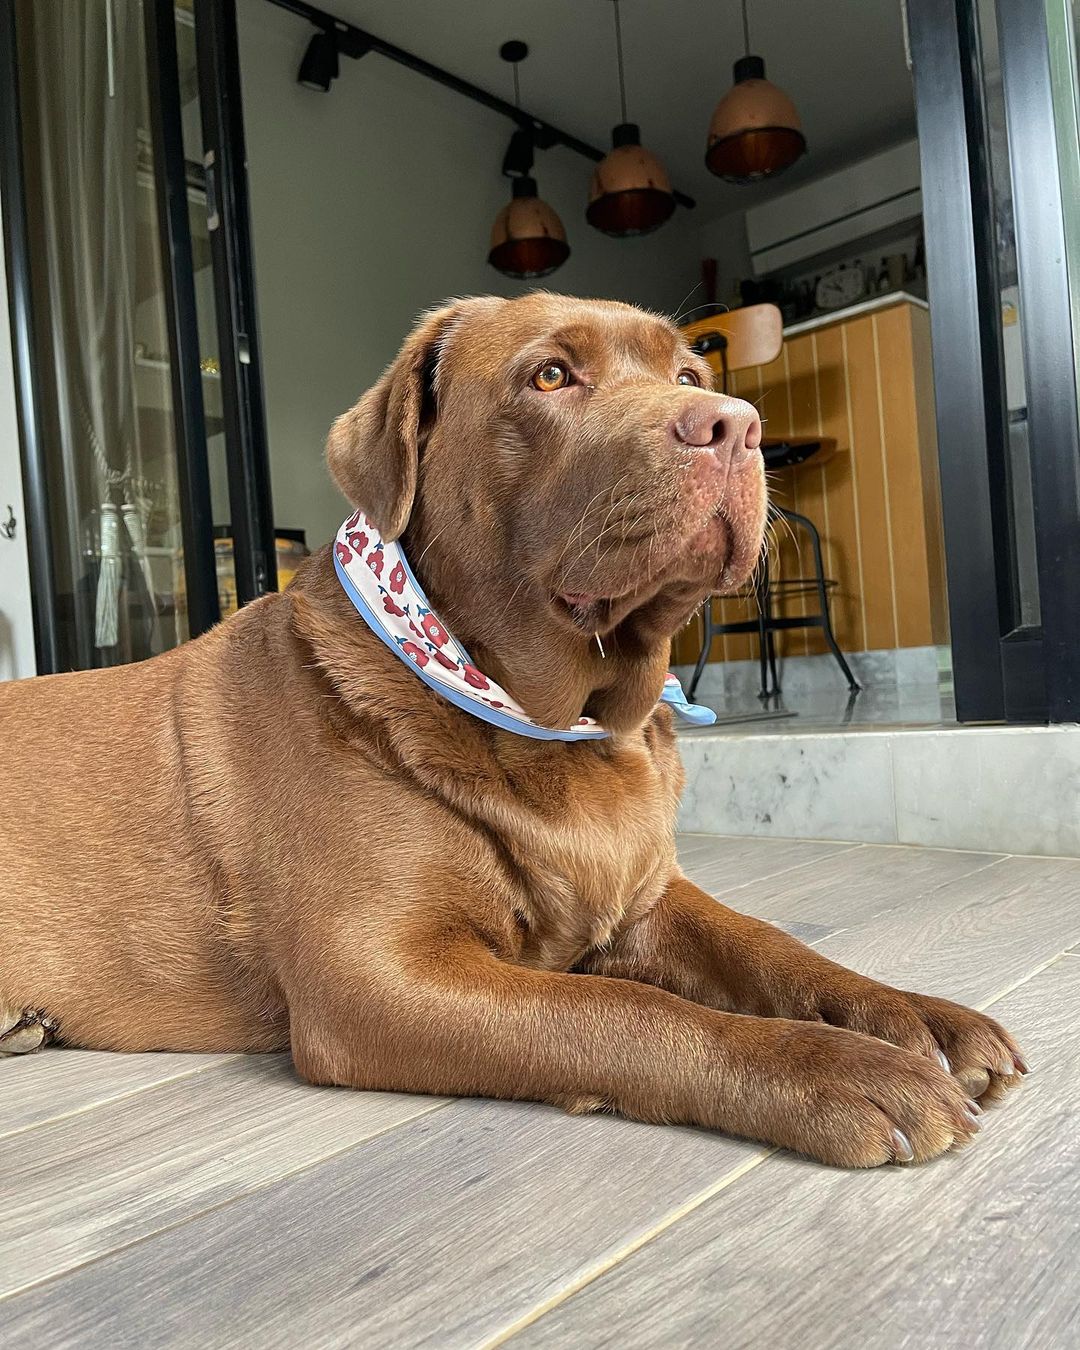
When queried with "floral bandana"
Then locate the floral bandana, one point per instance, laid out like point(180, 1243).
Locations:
point(376, 577)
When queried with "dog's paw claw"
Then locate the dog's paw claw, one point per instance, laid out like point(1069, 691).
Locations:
point(902, 1150)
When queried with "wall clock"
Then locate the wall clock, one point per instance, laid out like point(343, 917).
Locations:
point(842, 286)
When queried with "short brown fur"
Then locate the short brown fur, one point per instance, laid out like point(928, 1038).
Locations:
point(276, 836)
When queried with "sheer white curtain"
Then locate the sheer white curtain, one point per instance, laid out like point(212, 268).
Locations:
point(83, 72)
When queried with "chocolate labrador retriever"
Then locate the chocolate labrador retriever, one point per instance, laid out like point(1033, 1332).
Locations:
point(287, 834)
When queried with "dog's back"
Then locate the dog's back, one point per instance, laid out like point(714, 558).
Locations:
point(106, 902)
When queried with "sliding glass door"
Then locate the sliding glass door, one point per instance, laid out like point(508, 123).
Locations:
point(136, 429)
point(996, 99)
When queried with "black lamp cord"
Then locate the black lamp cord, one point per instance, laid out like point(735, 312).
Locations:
point(618, 55)
point(745, 30)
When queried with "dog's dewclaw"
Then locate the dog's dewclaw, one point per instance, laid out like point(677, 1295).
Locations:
point(21, 1032)
point(10, 1017)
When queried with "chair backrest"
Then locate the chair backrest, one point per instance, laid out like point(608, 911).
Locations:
point(754, 337)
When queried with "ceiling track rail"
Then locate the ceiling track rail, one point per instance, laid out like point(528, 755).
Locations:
point(357, 42)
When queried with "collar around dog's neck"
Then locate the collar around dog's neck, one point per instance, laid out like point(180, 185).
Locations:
point(376, 577)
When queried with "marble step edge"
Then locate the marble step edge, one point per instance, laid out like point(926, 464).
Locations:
point(1001, 789)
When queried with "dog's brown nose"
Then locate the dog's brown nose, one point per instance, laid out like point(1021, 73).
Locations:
point(717, 422)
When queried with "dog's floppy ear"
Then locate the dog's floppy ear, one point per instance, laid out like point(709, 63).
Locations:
point(374, 449)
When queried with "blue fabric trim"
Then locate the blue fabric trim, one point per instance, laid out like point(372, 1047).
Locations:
point(693, 712)
point(476, 708)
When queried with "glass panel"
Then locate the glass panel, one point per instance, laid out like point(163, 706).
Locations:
point(1018, 463)
point(99, 318)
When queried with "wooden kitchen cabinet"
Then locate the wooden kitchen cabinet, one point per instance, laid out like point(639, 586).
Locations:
point(863, 379)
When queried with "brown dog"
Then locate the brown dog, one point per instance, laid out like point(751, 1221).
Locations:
point(278, 836)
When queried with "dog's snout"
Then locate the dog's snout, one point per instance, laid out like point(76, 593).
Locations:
point(717, 422)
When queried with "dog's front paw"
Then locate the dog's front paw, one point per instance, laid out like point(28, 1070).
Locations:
point(853, 1100)
point(976, 1049)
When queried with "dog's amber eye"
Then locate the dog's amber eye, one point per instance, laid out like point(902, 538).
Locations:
point(550, 377)
point(688, 377)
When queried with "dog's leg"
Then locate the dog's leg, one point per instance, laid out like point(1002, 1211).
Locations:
point(23, 1029)
point(452, 1017)
point(699, 949)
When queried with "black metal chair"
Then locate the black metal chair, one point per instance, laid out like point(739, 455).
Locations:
point(780, 454)
point(754, 336)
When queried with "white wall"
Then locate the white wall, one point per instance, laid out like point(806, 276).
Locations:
point(724, 238)
point(373, 202)
point(16, 622)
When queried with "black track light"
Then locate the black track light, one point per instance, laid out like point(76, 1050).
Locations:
point(518, 160)
point(319, 68)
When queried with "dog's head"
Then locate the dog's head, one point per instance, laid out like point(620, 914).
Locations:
point(559, 468)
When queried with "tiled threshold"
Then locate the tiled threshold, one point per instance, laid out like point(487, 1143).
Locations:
point(1002, 789)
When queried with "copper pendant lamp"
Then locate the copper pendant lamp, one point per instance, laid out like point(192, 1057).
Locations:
point(527, 239)
point(755, 130)
point(630, 192)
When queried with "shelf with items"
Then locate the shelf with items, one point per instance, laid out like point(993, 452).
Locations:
point(153, 389)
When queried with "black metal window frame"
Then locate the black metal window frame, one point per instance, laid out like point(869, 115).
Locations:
point(245, 428)
point(225, 162)
point(178, 274)
point(179, 295)
point(1003, 669)
point(1048, 344)
point(17, 253)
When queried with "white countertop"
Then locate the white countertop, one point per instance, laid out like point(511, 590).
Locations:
point(863, 307)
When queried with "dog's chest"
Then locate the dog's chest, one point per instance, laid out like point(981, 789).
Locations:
point(601, 865)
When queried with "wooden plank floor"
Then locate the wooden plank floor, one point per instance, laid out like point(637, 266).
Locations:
point(210, 1201)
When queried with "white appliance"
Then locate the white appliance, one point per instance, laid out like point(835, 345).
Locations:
point(841, 208)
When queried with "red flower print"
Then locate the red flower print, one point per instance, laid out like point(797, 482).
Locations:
point(434, 629)
point(375, 562)
point(444, 660)
point(494, 703)
point(397, 579)
point(353, 521)
point(358, 541)
point(474, 677)
point(415, 653)
point(343, 553)
point(391, 608)
point(416, 630)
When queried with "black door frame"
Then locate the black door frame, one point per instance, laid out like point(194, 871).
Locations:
point(228, 212)
point(1048, 342)
point(1003, 669)
point(961, 266)
point(17, 252)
